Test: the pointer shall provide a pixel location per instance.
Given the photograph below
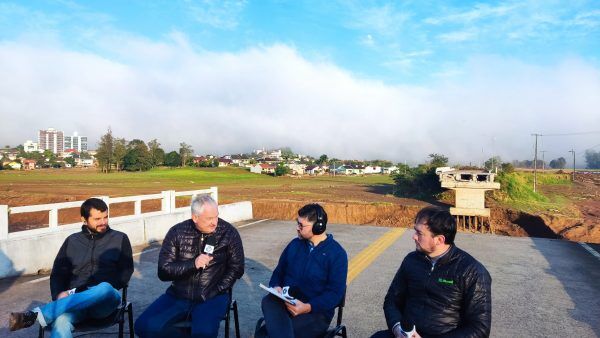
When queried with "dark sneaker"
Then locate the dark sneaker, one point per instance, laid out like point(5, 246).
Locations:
point(21, 320)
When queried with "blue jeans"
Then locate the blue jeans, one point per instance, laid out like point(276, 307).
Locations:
point(96, 302)
point(280, 324)
point(159, 318)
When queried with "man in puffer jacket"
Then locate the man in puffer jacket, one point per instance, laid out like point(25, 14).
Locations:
point(202, 257)
point(439, 290)
point(90, 267)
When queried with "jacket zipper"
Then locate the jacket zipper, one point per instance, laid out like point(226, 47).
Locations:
point(92, 258)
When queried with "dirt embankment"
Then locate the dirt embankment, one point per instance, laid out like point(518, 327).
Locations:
point(505, 221)
point(345, 213)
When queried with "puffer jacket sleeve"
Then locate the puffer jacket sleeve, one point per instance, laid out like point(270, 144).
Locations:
point(169, 268)
point(395, 298)
point(477, 320)
point(235, 264)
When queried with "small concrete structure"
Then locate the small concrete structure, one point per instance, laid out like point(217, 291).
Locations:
point(470, 187)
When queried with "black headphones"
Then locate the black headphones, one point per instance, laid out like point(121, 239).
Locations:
point(321, 223)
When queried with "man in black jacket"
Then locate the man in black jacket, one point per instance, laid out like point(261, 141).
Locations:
point(90, 267)
point(439, 290)
point(202, 258)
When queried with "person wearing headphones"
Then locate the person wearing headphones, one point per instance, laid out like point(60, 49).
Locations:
point(313, 267)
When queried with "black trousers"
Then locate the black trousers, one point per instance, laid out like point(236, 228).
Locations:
point(280, 324)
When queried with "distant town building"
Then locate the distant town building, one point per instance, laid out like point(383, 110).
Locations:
point(51, 139)
point(28, 164)
point(30, 146)
point(15, 165)
point(373, 169)
point(76, 142)
point(225, 162)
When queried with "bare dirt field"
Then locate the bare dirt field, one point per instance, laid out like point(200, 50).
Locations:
point(350, 200)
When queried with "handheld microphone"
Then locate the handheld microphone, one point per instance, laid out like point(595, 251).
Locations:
point(209, 245)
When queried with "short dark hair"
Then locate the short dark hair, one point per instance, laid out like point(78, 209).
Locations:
point(310, 212)
point(92, 203)
point(439, 221)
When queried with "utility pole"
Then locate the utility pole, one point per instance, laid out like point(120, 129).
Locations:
point(573, 151)
point(543, 161)
point(535, 163)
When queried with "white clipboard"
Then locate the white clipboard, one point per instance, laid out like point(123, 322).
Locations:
point(277, 294)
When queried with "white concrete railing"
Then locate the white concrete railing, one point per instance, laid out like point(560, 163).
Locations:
point(168, 200)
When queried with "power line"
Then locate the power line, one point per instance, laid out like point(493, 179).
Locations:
point(573, 134)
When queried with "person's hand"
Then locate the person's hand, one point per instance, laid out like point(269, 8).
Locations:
point(279, 289)
point(416, 335)
point(62, 295)
point(299, 308)
point(202, 261)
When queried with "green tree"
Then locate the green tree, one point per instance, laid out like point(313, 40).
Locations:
point(172, 159)
point(21, 150)
point(558, 163)
point(157, 154)
point(71, 161)
point(281, 170)
point(592, 159)
point(119, 152)
point(492, 163)
point(507, 167)
point(185, 151)
point(323, 159)
point(438, 160)
point(287, 153)
point(381, 163)
point(105, 151)
point(137, 157)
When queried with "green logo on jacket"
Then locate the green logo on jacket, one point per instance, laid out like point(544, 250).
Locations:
point(446, 281)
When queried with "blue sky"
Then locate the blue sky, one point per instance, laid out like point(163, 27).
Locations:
point(440, 67)
point(396, 42)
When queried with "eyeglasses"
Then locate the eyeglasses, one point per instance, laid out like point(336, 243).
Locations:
point(301, 226)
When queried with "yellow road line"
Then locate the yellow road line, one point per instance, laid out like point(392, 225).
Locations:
point(368, 255)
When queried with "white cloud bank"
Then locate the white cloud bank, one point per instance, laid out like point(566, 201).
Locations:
point(271, 96)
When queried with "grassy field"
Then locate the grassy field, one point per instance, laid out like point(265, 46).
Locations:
point(54, 185)
point(551, 195)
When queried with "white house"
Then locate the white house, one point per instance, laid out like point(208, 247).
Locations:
point(370, 169)
point(256, 169)
point(296, 169)
point(390, 170)
point(313, 170)
point(84, 162)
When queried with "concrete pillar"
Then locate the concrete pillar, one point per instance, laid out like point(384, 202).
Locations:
point(172, 203)
point(137, 207)
point(166, 201)
point(3, 222)
point(214, 191)
point(53, 218)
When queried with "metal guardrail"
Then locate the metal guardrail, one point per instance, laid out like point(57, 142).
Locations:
point(168, 205)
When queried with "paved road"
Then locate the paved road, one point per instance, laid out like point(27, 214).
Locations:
point(540, 287)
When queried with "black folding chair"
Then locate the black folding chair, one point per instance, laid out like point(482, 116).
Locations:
point(117, 317)
point(232, 307)
point(338, 331)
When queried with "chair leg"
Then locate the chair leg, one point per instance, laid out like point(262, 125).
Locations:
point(121, 324)
point(344, 332)
point(227, 317)
point(41, 332)
point(130, 317)
point(236, 320)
